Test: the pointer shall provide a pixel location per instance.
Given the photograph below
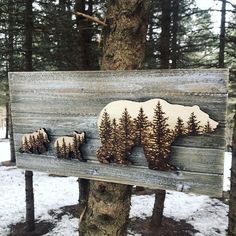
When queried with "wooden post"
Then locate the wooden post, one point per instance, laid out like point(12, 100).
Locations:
point(29, 199)
point(232, 203)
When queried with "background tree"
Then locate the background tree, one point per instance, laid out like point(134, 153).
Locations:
point(30, 217)
point(165, 35)
point(222, 35)
point(232, 205)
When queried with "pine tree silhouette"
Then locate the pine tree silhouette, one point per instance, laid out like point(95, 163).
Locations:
point(141, 127)
point(115, 145)
point(193, 125)
point(179, 129)
point(64, 149)
point(162, 138)
point(126, 136)
point(26, 145)
point(70, 153)
point(58, 150)
point(34, 145)
point(207, 128)
point(105, 128)
point(76, 148)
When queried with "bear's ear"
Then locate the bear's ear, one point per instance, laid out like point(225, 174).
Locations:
point(197, 107)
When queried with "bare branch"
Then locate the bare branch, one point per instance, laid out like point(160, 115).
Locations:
point(92, 18)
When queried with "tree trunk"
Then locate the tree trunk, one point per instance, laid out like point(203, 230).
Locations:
point(175, 25)
point(84, 34)
point(108, 205)
point(12, 145)
point(30, 224)
point(165, 34)
point(29, 198)
point(157, 213)
point(9, 127)
point(28, 35)
point(222, 35)
point(7, 120)
point(232, 203)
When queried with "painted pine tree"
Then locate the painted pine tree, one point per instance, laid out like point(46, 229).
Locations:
point(141, 126)
point(179, 129)
point(193, 127)
point(115, 143)
point(75, 147)
point(64, 149)
point(162, 138)
point(34, 145)
point(58, 150)
point(126, 136)
point(207, 128)
point(26, 145)
point(105, 129)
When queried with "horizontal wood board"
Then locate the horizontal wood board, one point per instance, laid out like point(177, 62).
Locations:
point(209, 184)
point(65, 101)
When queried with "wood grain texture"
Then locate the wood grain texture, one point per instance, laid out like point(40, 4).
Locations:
point(63, 102)
point(203, 160)
point(180, 181)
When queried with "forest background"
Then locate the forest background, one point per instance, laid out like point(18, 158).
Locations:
point(49, 36)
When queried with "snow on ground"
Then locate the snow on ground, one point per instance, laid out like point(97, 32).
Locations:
point(207, 215)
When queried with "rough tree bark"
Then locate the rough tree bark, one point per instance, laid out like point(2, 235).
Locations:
point(9, 127)
point(84, 34)
point(7, 120)
point(232, 203)
point(175, 26)
point(29, 199)
point(165, 33)
point(30, 218)
point(157, 213)
point(222, 35)
point(108, 205)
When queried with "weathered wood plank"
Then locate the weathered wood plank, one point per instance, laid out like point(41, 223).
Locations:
point(95, 90)
point(214, 106)
point(182, 81)
point(180, 181)
point(65, 125)
point(190, 159)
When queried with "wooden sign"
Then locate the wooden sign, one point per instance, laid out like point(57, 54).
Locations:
point(61, 103)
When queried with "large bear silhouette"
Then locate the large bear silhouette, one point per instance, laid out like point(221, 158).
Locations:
point(154, 124)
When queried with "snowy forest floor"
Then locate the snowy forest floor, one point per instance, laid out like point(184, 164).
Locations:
point(56, 201)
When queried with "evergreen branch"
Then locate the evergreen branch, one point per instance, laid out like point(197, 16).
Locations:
point(195, 12)
point(233, 5)
point(92, 18)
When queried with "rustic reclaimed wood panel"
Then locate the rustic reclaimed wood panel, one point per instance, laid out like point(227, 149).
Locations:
point(63, 102)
